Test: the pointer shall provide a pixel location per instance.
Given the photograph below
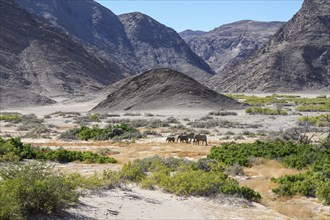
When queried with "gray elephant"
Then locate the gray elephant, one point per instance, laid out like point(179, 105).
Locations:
point(183, 138)
point(200, 138)
point(170, 139)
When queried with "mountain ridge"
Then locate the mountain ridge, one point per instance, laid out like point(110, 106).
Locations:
point(44, 63)
point(228, 44)
point(294, 59)
point(103, 33)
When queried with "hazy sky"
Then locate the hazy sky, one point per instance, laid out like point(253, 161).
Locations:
point(208, 14)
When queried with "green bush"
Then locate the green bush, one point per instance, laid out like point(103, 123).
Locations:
point(313, 108)
point(182, 177)
point(265, 111)
point(290, 154)
point(320, 103)
point(11, 117)
point(14, 150)
point(27, 190)
point(96, 133)
point(313, 183)
point(318, 120)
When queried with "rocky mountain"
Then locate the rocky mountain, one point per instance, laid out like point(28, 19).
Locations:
point(156, 45)
point(164, 89)
point(295, 59)
point(188, 34)
point(37, 62)
point(228, 44)
point(134, 40)
point(86, 21)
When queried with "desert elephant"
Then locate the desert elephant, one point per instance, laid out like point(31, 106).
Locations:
point(200, 137)
point(183, 138)
point(170, 139)
point(191, 137)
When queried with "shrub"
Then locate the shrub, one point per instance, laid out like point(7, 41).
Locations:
point(222, 113)
point(265, 111)
point(27, 190)
point(119, 131)
point(322, 120)
point(205, 118)
point(150, 132)
point(157, 123)
point(132, 114)
point(113, 115)
point(65, 114)
point(172, 120)
point(38, 131)
point(312, 108)
point(106, 151)
point(89, 118)
point(13, 150)
point(11, 117)
point(288, 152)
point(236, 170)
point(314, 182)
point(182, 177)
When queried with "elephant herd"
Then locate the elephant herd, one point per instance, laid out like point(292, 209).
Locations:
point(188, 138)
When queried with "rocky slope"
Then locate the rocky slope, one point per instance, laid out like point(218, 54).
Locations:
point(88, 22)
point(156, 45)
point(295, 59)
point(134, 40)
point(164, 89)
point(37, 62)
point(189, 34)
point(230, 43)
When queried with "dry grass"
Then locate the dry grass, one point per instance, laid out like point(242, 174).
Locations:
point(260, 175)
point(132, 151)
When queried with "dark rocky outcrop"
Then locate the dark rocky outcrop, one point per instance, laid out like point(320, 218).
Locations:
point(164, 89)
point(295, 59)
point(228, 44)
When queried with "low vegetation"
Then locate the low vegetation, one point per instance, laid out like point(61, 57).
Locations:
point(31, 189)
point(14, 150)
point(322, 120)
point(138, 123)
point(182, 177)
point(319, 103)
point(314, 108)
point(120, 131)
point(11, 117)
point(222, 113)
point(212, 123)
point(265, 111)
point(314, 182)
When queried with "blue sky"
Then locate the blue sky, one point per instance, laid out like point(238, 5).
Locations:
point(208, 14)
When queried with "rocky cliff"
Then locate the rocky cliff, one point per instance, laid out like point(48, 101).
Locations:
point(228, 44)
point(295, 59)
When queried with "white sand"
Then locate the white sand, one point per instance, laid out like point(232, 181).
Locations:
point(136, 203)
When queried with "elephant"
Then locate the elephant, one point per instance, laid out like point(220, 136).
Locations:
point(191, 137)
point(170, 139)
point(183, 138)
point(200, 137)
